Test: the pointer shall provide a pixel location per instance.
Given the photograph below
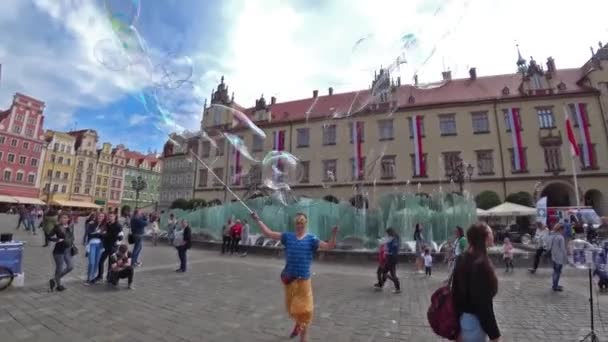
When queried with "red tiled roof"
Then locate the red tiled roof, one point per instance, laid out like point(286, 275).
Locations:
point(451, 92)
point(30, 98)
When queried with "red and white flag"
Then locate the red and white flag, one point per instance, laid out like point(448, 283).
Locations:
point(236, 177)
point(419, 165)
point(357, 135)
point(518, 150)
point(278, 144)
point(580, 111)
point(571, 138)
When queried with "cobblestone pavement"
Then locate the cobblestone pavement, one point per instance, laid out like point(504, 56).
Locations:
point(241, 299)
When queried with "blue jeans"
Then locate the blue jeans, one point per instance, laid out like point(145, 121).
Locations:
point(183, 259)
point(470, 329)
point(95, 250)
point(557, 272)
point(29, 225)
point(137, 247)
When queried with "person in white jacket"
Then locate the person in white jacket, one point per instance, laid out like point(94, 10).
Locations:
point(541, 236)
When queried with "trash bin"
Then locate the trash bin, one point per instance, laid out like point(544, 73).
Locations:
point(11, 256)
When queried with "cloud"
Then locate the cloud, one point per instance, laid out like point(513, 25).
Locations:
point(100, 117)
point(137, 119)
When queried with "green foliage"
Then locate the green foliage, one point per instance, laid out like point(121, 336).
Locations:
point(197, 203)
point(487, 199)
point(331, 198)
point(180, 203)
point(521, 198)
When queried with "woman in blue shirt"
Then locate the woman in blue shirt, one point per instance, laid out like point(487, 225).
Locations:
point(392, 250)
point(300, 247)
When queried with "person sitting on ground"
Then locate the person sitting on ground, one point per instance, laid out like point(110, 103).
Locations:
point(121, 266)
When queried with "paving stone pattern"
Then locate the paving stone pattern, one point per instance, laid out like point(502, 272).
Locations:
point(228, 298)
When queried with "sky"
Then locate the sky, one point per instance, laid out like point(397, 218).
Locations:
point(64, 52)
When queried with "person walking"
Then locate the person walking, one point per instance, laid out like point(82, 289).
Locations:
point(235, 236)
point(155, 228)
point(109, 238)
point(64, 250)
point(460, 246)
point(30, 217)
point(507, 254)
point(559, 255)
point(171, 225)
point(138, 227)
point(392, 254)
point(226, 238)
point(541, 236)
point(49, 221)
point(183, 242)
point(245, 233)
point(94, 248)
point(300, 247)
point(381, 265)
point(474, 285)
point(419, 246)
point(121, 267)
point(21, 220)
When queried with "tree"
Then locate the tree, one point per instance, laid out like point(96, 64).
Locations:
point(487, 199)
point(180, 203)
point(214, 203)
point(521, 198)
point(197, 203)
point(331, 198)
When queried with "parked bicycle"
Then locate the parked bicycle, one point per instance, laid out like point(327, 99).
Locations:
point(6, 277)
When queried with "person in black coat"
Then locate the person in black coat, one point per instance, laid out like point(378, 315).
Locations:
point(109, 238)
point(182, 242)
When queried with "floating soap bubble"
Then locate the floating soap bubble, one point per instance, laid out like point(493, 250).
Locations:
point(584, 255)
point(239, 145)
point(109, 53)
point(173, 72)
point(280, 170)
point(122, 12)
point(409, 41)
point(220, 114)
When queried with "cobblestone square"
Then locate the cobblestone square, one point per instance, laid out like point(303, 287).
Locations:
point(229, 298)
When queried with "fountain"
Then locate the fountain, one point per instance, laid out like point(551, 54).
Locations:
point(438, 212)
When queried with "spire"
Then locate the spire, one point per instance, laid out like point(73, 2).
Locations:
point(521, 62)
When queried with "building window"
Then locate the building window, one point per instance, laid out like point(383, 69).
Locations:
point(37, 148)
point(31, 121)
point(305, 172)
point(545, 118)
point(49, 173)
point(29, 132)
point(79, 177)
point(450, 162)
point(447, 124)
point(34, 162)
point(219, 172)
point(303, 137)
point(64, 189)
point(16, 129)
point(65, 176)
point(97, 192)
point(592, 157)
point(330, 170)
point(53, 158)
point(60, 160)
point(105, 181)
point(80, 164)
point(57, 174)
point(68, 149)
point(56, 188)
point(7, 175)
point(76, 189)
point(68, 161)
point(205, 149)
point(385, 129)
point(89, 178)
point(258, 144)
point(14, 142)
point(62, 148)
point(1, 155)
point(411, 127)
point(413, 163)
point(485, 162)
point(353, 169)
point(11, 158)
point(221, 146)
point(350, 129)
point(22, 160)
point(2, 139)
point(26, 145)
point(87, 191)
point(388, 167)
point(19, 117)
point(202, 177)
point(481, 124)
point(508, 123)
point(523, 157)
point(56, 147)
point(574, 117)
point(553, 158)
point(19, 177)
point(103, 193)
point(329, 134)
point(31, 178)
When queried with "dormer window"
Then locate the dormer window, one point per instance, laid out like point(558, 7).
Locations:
point(536, 82)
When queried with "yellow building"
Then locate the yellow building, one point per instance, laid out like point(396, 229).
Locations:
point(464, 121)
point(104, 166)
point(83, 184)
point(58, 168)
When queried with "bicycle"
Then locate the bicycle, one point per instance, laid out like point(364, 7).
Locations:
point(6, 277)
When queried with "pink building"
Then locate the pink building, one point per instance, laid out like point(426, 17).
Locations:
point(21, 146)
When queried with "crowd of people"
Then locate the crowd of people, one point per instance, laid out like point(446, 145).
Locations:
point(235, 237)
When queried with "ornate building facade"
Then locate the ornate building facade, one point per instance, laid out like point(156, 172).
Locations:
point(58, 169)
point(509, 129)
point(178, 169)
point(148, 167)
point(83, 185)
point(102, 176)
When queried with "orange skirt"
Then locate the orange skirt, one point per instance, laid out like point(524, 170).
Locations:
point(299, 301)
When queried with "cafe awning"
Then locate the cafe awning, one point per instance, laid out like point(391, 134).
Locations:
point(510, 209)
point(29, 200)
point(7, 199)
point(76, 204)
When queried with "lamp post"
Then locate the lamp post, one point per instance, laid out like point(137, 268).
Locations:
point(461, 172)
point(138, 185)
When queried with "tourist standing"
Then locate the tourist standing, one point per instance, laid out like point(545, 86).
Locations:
point(171, 225)
point(138, 227)
point(109, 238)
point(419, 246)
point(121, 267)
point(428, 262)
point(245, 238)
point(183, 242)
point(49, 221)
point(559, 254)
point(381, 265)
point(541, 236)
point(474, 286)
point(507, 254)
point(30, 215)
point(155, 229)
point(63, 236)
point(226, 239)
point(460, 246)
point(392, 255)
point(300, 247)
point(235, 236)
point(94, 248)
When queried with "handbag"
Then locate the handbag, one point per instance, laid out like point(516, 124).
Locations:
point(74, 250)
point(130, 239)
point(442, 315)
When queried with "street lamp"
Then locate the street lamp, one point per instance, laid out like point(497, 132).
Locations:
point(460, 173)
point(138, 185)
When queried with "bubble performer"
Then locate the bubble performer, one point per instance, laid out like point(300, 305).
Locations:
point(300, 247)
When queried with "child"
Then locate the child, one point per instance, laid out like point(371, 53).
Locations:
point(507, 254)
point(601, 271)
point(381, 266)
point(428, 262)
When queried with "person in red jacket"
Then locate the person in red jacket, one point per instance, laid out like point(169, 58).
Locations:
point(381, 266)
point(235, 234)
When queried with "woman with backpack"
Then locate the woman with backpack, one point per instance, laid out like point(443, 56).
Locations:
point(182, 242)
point(474, 286)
